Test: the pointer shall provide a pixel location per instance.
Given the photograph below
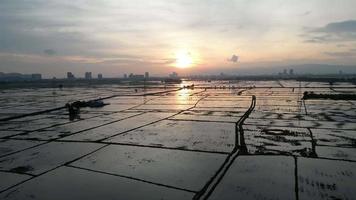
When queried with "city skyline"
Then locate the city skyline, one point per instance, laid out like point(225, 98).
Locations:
point(190, 37)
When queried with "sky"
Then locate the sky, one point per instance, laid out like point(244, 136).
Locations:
point(114, 37)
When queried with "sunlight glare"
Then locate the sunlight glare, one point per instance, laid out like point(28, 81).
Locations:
point(183, 59)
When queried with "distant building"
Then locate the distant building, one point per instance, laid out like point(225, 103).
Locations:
point(125, 76)
point(291, 72)
point(100, 76)
point(36, 76)
point(70, 75)
point(285, 72)
point(88, 75)
point(173, 75)
point(136, 76)
point(147, 75)
point(19, 76)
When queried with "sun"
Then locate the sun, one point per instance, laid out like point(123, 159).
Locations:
point(183, 59)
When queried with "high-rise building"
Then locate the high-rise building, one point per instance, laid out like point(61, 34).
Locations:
point(125, 75)
point(147, 75)
point(88, 75)
point(100, 76)
point(291, 72)
point(285, 72)
point(70, 75)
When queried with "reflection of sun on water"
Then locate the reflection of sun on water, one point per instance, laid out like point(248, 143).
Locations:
point(183, 96)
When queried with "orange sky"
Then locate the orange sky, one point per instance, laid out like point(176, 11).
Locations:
point(114, 37)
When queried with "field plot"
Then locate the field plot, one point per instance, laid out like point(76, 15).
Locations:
point(220, 140)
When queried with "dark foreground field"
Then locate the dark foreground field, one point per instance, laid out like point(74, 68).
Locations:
point(220, 140)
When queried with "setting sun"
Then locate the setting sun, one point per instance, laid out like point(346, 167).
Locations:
point(183, 59)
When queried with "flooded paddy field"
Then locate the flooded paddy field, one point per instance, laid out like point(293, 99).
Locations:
point(218, 140)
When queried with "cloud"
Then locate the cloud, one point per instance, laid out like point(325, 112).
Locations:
point(169, 61)
point(49, 52)
point(117, 33)
point(234, 58)
point(306, 13)
point(332, 32)
point(341, 54)
point(338, 27)
point(341, 45)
